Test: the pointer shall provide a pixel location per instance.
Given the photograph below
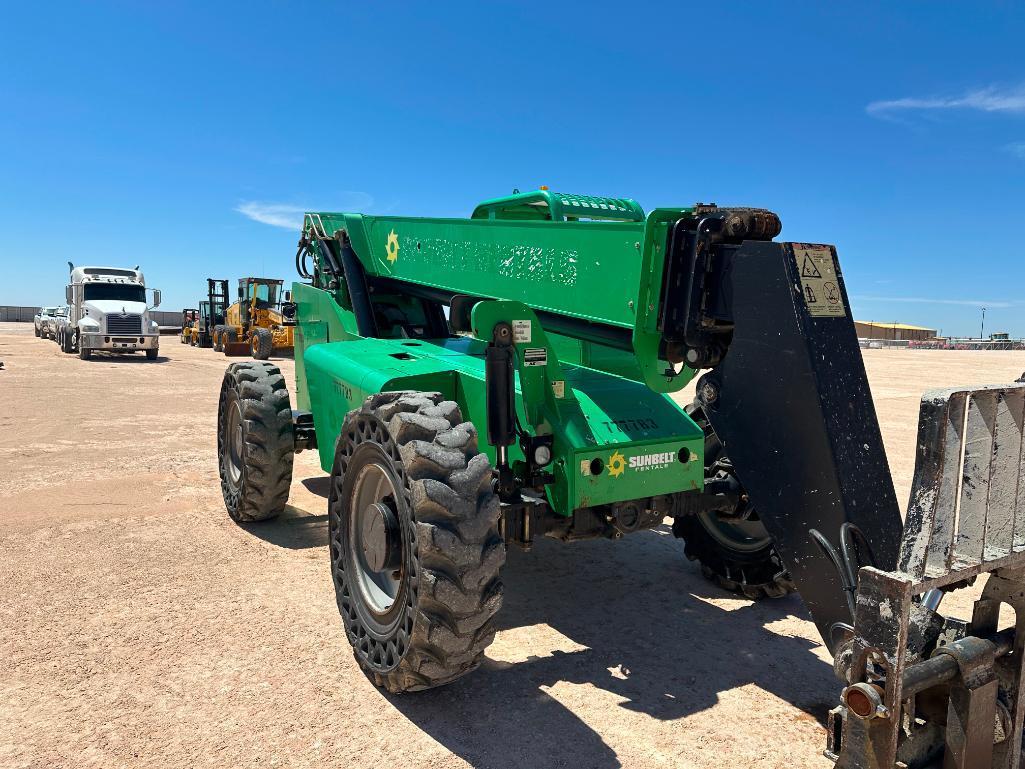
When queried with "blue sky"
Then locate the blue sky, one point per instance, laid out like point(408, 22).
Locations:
point(181, 135)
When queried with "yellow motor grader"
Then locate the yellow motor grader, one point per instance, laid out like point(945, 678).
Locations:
point(260, 322)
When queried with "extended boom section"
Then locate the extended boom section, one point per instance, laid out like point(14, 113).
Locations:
point(473, 384)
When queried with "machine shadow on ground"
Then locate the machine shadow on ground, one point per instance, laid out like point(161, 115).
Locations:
point(124, 360)
point(652, 640)
point(295, 528)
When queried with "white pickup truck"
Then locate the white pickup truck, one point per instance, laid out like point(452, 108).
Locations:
point(108, 312)
point(43, 321)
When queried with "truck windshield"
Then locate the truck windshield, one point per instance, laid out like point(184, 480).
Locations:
point(119, 292)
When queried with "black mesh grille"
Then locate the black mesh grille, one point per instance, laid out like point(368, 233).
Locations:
point(124, 324)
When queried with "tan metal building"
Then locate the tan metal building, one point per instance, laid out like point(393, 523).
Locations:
point(869, 329)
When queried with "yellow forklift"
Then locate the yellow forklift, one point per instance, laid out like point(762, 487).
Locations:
point(189, 315)
point(260, 322)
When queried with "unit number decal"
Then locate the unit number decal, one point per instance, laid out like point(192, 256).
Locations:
point(819, 283)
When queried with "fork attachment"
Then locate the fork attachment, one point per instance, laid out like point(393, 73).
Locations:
point(924, 690)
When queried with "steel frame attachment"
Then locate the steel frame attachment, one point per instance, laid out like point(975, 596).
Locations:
point(925, 690)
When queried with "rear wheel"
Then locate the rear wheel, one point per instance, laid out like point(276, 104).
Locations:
point(261, 343)
point(254, 441)
point(67, 340)
point(415, 548)
point(735, 552)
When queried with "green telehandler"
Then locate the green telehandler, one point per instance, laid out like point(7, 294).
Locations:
point(472, 384)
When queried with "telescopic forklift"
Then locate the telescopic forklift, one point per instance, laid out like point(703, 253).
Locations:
point(260, 322)
point(473, 384)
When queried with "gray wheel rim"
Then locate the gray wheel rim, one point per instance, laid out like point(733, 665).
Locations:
point(742, 536)
point(233, 465)
point(378, 589)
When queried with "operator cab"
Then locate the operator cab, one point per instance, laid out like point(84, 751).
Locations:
point(265, 291)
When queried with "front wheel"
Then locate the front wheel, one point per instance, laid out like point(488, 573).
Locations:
point(254, 441)
point(415, 548)
point(152, 354)
point(261, 343)
point(735, 552)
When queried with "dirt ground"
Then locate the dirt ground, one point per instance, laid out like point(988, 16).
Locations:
point(139, 626)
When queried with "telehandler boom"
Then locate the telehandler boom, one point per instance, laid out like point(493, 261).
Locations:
point(476, 383)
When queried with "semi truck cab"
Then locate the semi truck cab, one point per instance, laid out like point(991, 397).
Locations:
point(109, 313)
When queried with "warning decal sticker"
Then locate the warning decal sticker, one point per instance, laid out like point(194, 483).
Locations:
point(819, 284)
point(535, 356)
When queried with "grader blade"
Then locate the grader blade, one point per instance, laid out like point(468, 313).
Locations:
point(922, 689)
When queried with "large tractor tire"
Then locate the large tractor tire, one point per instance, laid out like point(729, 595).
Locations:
point(736, 553)
point(415, 547)
point(254, 441)
point(218, 339)
point(261, 343)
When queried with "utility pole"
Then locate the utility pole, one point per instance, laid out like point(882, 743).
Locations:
point(982, 328)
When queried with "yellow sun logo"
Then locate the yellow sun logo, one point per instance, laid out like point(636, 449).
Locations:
point(393, 247)
point(617, 464)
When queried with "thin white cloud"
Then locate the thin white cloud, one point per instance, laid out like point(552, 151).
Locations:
point(990, 99)
point(927, 300)
point(290, 216)
point(1017, 149)
point(274, 214)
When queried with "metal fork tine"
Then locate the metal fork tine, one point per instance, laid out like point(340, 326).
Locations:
point(933, 423)
point(1004, 474)
point(941, 544)
point(1019, 512)
point(978, 455)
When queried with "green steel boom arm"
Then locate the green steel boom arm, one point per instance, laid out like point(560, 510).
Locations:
point(598, 281)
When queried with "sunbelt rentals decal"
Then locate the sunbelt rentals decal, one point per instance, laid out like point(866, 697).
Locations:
point(618, 463)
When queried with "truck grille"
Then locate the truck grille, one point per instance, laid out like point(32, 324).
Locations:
point(124, 324)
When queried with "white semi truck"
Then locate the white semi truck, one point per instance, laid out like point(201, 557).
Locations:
point(108, 312)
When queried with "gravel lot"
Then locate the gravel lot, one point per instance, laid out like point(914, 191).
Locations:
point(140, 627)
